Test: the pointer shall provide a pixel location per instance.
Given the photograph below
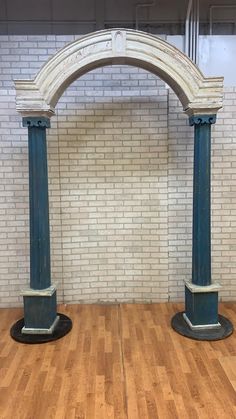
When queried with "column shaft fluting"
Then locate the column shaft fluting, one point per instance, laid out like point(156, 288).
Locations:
point(201, 238)
point(40, 276)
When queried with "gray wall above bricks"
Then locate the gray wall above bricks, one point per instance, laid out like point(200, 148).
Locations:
point(83, 16)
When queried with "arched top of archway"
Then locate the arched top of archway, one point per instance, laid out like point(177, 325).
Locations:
point(198, 94)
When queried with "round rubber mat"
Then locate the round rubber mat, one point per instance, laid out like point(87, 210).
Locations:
point(180, 326)
point(63, 327)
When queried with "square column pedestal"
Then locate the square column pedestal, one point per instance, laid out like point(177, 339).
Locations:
point(40, 311)
point(41, 322)
point(200, 320)
point(201, 306)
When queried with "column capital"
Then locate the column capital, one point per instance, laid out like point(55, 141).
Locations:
point(36, 121)
point(202, 119)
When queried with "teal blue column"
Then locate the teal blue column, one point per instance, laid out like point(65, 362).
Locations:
point(40, 315)
point(40, 274)
point(201, 297)
point(201, 320)
point(201, 238)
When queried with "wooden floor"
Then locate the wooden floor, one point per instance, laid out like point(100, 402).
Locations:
point(119, 361)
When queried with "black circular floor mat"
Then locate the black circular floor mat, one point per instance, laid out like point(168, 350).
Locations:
point(180, 326)
point(63, 327)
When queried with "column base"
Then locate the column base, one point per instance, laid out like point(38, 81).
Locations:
point(40, 331)
point(63, 326)
point(41, 322)
point(180, 325)
point(201, 320)
point(201, 305)
point(201, 326)
point(40, 310)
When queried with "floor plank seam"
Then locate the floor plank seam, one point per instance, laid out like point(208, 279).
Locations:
point(123, 360)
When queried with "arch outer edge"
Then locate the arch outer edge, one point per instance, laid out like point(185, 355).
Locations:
point(198, 94)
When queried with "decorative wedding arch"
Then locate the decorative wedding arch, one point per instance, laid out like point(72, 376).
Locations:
point(201, 98)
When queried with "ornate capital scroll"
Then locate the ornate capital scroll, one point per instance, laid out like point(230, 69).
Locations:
point(202, 120)
point(33, 121)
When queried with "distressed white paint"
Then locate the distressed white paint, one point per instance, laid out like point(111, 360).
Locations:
point(198, 94)
point(201, 326)
point(202, 288)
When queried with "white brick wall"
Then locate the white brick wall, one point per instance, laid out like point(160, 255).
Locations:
point(224, 196)
point(120, 157)
point(180, 192)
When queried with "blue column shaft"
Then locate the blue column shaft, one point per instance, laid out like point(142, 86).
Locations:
point(40, 273)
point(201, 240)
point(201, 254)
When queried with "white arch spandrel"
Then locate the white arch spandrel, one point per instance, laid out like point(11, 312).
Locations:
point(198, 94)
